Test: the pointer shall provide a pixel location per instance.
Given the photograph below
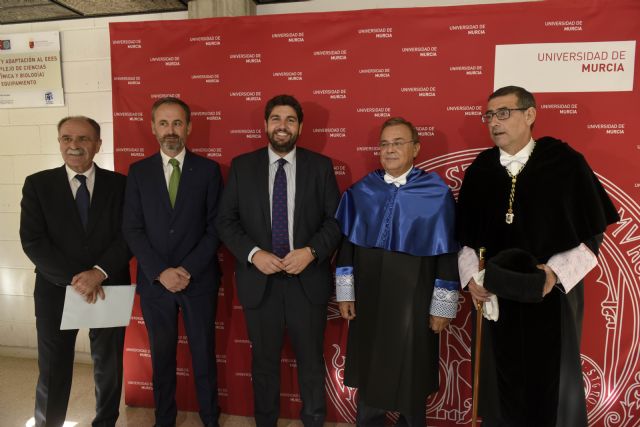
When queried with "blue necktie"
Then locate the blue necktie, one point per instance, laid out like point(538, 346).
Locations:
point(83, 200)
point(279, 213)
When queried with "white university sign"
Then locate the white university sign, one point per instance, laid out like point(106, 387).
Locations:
point(566, 67)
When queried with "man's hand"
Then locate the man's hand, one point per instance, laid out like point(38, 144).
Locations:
point(184, 271)
point(88, 284)
point(92, 297)
point(174, 279)
point(478, 293)
point(297, 260)
point(347, 309)
point(267, 262)
point(437, 323)
point(551, 279)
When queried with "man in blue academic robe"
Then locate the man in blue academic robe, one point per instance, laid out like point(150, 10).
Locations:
point(397, 280)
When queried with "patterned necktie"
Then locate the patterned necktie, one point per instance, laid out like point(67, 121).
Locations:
point(83, 200)
point(279, 213)
point(174, 181)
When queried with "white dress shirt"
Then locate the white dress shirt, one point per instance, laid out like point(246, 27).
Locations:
point(75, 184)
point(290, 172)
point(167, 167)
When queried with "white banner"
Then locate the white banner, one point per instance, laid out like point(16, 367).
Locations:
point(566, 67)
point(30, 70)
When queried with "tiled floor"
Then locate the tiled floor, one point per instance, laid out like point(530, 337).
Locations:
point(17, 389)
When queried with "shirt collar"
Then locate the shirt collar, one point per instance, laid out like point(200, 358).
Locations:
point(274, 157)
point(90, 173)
point(524, 153)
point(397, 180)
point(179, 157)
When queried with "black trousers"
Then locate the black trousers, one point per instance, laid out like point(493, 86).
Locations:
point(161, 318)
point(56, 351)
point(285, 306)
point(368, 416)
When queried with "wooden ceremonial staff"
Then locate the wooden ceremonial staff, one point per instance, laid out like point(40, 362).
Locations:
point(476, 365)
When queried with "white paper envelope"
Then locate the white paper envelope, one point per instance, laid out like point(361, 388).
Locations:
point(114, 310)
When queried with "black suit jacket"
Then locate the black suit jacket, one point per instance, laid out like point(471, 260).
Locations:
point(54, 239)
point(245, 220)
point(161, 236)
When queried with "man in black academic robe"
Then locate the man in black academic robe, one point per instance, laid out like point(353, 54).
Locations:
point(542, 198)
point(397, 270)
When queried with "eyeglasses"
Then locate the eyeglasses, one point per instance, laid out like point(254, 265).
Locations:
point(385, 145)
point(501, 114)
point(65, 139)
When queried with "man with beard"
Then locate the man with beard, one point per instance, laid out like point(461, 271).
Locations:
point(71, 229)
point(276, 217)
point(169, 222)
point(540, 211)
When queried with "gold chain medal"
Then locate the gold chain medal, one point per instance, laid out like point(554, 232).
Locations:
point(508, 218)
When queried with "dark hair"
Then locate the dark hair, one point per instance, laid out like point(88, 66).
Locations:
point(171, 100)
point(89, 120)
point(395, 121)
point(283, 100)
point(525, 98)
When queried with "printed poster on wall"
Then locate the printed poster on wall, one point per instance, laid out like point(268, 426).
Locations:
point(30, 70)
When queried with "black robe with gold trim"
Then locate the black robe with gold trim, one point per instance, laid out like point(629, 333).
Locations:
point(531, 374)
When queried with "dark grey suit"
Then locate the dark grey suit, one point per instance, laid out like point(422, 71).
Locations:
point(55, 241)
point(274, 302)
point(161, 237)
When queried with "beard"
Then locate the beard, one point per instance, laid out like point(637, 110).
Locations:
point(280, 146)
point(172, 143)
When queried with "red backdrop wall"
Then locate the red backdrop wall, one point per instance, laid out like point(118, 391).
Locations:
point(351, 70)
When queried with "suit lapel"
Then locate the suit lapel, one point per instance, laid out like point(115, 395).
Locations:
point(98, 199)
point(262, 181)
point(66, 197)
point(187, 176)
point(156, 175)
point(301, 190)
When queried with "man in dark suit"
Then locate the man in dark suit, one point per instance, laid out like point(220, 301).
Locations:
point(170, 207)
point(75, 243)
point(277, 218)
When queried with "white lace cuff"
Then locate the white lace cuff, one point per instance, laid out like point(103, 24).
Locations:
point(571, 266)
point(444, 302)
point(345, 289)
